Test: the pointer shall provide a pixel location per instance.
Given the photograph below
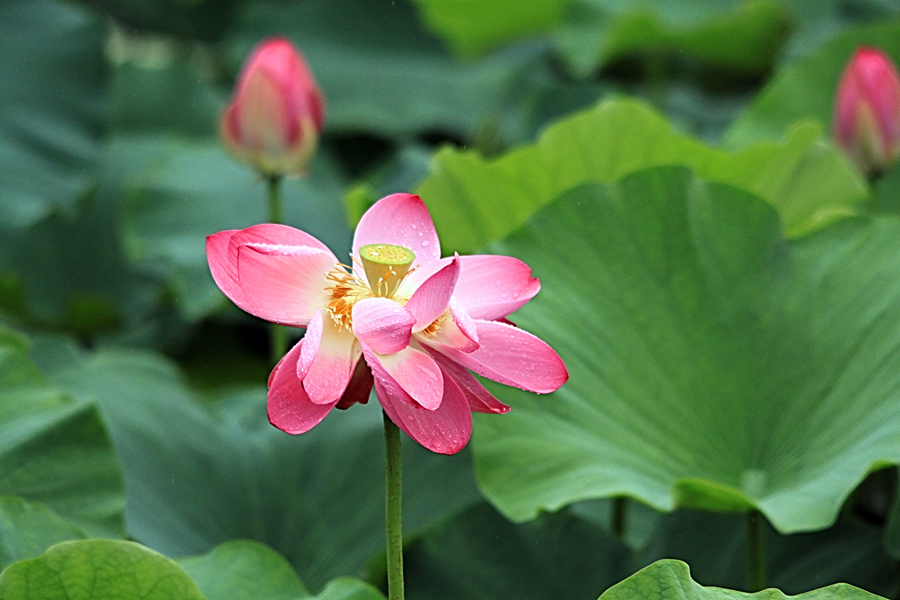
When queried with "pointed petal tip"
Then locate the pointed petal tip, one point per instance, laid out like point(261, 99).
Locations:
point(401, 220)
point(289, 408)
point(513, 357)
point(443, 431)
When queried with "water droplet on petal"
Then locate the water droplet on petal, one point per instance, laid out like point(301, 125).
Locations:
point(425, 243)
point(414, 227)
point(421, 234)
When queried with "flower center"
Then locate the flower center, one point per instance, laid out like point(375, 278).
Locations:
point(346, 290)
point(385, 265)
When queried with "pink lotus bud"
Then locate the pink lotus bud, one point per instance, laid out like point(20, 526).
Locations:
point(867, 110)
point(276, 113)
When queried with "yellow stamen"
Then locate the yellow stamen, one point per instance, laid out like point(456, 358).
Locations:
point(435, 325)
point(347, 290)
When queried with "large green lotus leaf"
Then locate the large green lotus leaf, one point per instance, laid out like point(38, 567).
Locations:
point(196, 190)
point(671, 580)
point(52, 84)
point(27, 529)
point(197, 478)
point(479, 555)
point(739, 36)
point(106, 569)
point(715, 545)
point(53, 450)
point(713, 364)
point(382, 72)
point(348, 588)
point(243, 570)
point(473, 26)
point(97, 570)
point(476, 201)
point(805, 89)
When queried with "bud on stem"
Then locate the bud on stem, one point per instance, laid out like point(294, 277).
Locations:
point(867, 111)
point(276, 114)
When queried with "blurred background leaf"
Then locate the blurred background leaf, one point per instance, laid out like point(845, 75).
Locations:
point(805, 89)
point(383, 73)
point(479, 555)
point(55, 450)
point(28, 529)
point(742, 36)
point(242, 570)
point(715, 545)
point(221, 472)
point(52, 101)
point(472, 26)
point(195, 192)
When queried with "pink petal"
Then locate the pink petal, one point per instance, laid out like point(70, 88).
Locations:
point(415, 278)
point(458, 332)
point(401, 220)
point(383, 325)
point(222, 251)
point(513, 357)
point(283, 284)
point(491, 287)
point(311, 340)
point(289, 407)
point(285, 65)
point(265, 124)
point(222, 258)
point(330, 370)
point(432, 298)
point(446, 430)
point(278, 366)
point(480, 400)
point(410, 374)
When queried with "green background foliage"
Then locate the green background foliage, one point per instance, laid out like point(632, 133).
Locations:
point(719, 279)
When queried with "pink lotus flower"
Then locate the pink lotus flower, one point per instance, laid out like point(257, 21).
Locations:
point(867, 110)
point(414, 320)
point(276, 114)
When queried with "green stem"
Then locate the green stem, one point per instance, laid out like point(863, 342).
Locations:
point(392, 509)
point(273, 187)
point(657, 79)
point(756, 556)
point(278, 333)
point(620, 516)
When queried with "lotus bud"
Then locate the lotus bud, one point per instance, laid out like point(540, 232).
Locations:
point(276, 113)
point(867, 110)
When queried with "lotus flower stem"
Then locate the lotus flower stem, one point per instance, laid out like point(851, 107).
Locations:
point(756, 556)
point(278, 332)
point(620, 516)
point(393, 508)
point(273, 185)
